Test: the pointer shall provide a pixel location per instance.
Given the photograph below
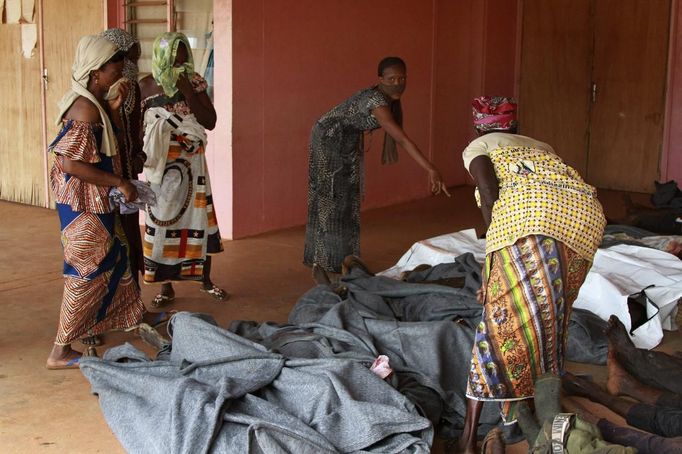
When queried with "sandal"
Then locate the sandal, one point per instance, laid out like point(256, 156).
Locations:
point(216, 292)
point(92, 341)
point(161, 300)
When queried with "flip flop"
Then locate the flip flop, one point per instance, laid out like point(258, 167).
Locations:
point(216, 292)
point(92, 340)
point(71, 364)
point(161, 300)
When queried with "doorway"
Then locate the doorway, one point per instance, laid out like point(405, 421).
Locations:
point(593, 82)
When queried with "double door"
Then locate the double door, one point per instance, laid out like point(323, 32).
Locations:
point(593, 81)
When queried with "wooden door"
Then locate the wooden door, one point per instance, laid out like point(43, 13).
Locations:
point(65, 22)
point(22, 175)
point(555, 76)
point(626, 126)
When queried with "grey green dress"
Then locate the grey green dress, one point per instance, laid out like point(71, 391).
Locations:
point(335, 179)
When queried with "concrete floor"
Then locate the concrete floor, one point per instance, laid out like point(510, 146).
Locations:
point(53, 411)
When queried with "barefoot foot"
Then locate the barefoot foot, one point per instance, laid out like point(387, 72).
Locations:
point(63, 357)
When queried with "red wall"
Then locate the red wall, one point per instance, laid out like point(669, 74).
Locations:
point(294, 60)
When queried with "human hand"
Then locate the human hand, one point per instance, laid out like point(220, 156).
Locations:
point(128, 190)
point(436, 182)
point(117, 94)
point(184, 85)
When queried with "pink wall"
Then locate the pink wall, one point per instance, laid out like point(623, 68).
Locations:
point(293, 61)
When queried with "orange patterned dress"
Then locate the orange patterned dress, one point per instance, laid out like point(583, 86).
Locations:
point(100, 293)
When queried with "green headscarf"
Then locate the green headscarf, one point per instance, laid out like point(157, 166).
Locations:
point(163, 57)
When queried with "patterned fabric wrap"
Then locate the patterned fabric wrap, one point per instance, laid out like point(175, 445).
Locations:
point(182, 228)
point(539, 194)
point(494, 113)
point(163, 58)
point(123, 41)
point(78, 141)
point(529, 290)
point(100, 293)
point(335, 174)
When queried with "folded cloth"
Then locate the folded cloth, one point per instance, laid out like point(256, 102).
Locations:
point(145, 196)
point(159, 125)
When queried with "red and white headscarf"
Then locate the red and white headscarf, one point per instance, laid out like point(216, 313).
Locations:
point(494, 113)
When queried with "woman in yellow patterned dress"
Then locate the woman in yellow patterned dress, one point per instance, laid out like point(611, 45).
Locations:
point(544, 226)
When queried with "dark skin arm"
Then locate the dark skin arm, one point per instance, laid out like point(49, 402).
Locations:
point(199, 103)
point(393, 129)
point(84, 110)
point(481, 168)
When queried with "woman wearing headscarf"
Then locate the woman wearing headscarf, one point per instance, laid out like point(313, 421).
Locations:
point(335, 163)
point(130, 146)
point(181, 231)
point(100, 293)
point(544, 226)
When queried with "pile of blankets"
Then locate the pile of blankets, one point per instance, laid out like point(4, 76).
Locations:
point(308, 386)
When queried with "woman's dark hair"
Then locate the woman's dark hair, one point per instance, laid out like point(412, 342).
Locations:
point(388, 62)
point(117, 57)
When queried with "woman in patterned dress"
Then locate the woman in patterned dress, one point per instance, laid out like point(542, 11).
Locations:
point(336, 165)
point(544, 226)
point(100, 293)
point(181, 231)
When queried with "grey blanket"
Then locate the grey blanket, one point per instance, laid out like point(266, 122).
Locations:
point(306, 386)
point(218, 392)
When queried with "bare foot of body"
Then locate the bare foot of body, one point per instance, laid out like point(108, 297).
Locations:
point(576, 386)
point(621, 383)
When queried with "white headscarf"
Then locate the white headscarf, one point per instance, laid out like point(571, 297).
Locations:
point(92, 52)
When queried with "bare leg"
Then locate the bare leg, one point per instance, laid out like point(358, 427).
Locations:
point(467, 442)
point(652, 368)
point(580, 387)
point(61, 355)
point(622, 383)
point(206, 278)
point(208, 286)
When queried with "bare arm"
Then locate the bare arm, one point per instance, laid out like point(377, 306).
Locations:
point(84, 110)
point(393, 129)
point(199, 103)
point(481, 168)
